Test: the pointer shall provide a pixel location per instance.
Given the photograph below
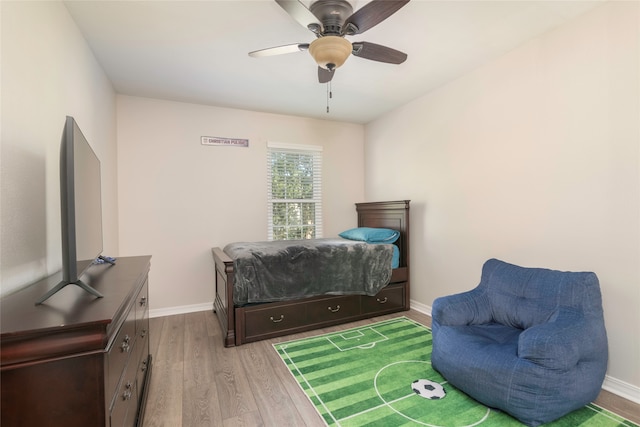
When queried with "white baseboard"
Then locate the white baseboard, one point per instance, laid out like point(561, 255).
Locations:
point(181, 309)
point(622, 389)
point(422, 308)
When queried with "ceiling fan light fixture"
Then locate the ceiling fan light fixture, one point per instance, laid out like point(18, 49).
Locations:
point(330, 52)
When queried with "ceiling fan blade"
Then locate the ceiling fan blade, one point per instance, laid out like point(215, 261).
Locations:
point(376, 52)
point(302, 14)
point(370, 15)
point(279, 50)
point(324, 75)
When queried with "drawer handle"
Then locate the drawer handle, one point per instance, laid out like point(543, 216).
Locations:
point(277, 320)
point(144, 365)
point(143, 333)
point(127, 393)
point(337, 309)
point(382, 301)
point(143, 301)
point(125, 344)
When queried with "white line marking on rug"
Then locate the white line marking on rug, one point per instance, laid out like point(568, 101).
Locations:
point(389, 404)
point(361, 335)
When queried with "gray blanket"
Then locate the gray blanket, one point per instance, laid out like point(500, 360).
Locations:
point(293, 269)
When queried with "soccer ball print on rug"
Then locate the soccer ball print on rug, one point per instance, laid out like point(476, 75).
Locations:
point(428, 389)
point(367, 375)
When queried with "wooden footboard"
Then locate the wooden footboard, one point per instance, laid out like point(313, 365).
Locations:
point(223, 302)
point(262, 321)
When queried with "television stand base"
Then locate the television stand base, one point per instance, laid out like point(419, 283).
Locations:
point(64, 283)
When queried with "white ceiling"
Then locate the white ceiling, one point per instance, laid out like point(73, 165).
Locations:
point(196, 51)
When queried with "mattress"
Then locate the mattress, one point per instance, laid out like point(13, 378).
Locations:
point(293, 269)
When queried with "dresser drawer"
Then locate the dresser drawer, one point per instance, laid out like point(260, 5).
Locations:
point(123, 411)
point(142, 327)
point(332, 309)
point(143, 365)
point(389, 298)
point(119, 352)
point(141, 307)
point(261, 321)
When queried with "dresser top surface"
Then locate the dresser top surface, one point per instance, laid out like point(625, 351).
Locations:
point(73, 307)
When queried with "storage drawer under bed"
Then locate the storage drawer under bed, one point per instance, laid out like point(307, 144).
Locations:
point(270, 320)
point(389, 299)
point(328, 310)
point(258, 322)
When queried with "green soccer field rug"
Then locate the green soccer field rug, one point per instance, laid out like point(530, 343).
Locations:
point(381, 375)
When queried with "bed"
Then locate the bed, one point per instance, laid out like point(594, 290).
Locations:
point(246, 322)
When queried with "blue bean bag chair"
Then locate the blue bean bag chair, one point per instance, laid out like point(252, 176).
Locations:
point(528, 341)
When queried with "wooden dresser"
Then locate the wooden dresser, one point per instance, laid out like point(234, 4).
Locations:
point(77, 360)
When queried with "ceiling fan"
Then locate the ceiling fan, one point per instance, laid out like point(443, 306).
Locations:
point(331, 21)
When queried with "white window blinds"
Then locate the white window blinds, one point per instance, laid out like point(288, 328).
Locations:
point(294, 175)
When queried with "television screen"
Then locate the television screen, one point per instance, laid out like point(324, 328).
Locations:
point(87, 201)
point(80, 208)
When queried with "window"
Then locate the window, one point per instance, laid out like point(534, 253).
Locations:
point(294, 191)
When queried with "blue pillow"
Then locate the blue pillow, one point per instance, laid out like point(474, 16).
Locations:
point(371, 235)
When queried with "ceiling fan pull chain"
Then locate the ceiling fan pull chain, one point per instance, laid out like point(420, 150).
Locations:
point(327, 97)
point(329, 94)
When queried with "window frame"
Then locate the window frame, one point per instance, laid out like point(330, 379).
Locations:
point(298, 149)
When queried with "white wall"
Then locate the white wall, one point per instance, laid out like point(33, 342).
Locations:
point(178, 198)
point(534, 159)
point(48, 72)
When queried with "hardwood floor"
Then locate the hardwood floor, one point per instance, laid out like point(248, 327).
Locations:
point(197, 382)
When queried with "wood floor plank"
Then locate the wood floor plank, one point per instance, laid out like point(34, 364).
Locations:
point(200, 401)
point(273, 400)
point(171, 344)
point(248, 419)
point(234, 393)
point(299, 399)
point(213, 325)
point(164, 401)
point(196, 336)
point(620, 406)
point(155, 330)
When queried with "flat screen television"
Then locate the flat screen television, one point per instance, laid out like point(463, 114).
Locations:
point(80, 208)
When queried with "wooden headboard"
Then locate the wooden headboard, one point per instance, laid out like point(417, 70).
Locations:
point(394, 215)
